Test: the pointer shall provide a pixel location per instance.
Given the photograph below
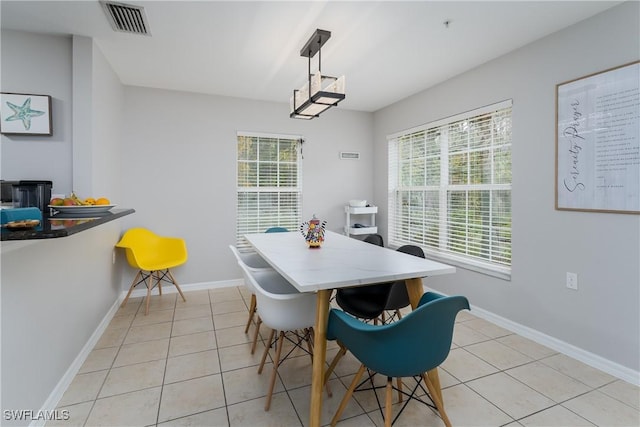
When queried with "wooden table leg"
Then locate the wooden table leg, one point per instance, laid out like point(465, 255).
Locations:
point(415, 291)
point(319, 357)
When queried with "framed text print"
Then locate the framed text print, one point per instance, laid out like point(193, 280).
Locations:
point(24, 114)
point(598, 141)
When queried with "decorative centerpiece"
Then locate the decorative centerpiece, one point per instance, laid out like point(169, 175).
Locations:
point(313, 232)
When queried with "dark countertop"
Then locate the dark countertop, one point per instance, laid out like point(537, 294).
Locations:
point(63, 225)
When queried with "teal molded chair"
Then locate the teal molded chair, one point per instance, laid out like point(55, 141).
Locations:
point(276, 230)
point(410, 347)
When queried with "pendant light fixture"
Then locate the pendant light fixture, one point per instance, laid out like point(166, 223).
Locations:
point(320, 92)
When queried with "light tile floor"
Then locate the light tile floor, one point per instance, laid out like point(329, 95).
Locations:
point(189, 364)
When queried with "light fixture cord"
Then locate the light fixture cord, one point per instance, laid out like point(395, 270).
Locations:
point(309, 75)
point(320, 55)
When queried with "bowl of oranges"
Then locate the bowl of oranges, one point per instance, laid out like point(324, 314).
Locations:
point(77, 205)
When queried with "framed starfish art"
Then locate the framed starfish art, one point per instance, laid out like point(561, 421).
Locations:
point(24, 114)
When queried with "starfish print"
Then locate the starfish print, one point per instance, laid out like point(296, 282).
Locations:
point(24, 113)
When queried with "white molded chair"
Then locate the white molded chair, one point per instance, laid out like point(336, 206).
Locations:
point(253, 262)
point(283, 309)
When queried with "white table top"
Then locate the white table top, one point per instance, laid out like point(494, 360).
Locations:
point(341, 261)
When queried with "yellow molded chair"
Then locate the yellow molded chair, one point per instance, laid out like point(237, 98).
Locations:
point(153, 256)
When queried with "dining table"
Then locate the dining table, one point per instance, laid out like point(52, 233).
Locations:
point(340, 262)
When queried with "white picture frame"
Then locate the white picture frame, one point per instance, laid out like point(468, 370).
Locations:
point(598, 141)
point(25, 114)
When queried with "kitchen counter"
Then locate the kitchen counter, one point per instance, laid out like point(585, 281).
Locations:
point(63, 225)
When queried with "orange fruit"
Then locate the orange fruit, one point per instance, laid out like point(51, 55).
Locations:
point(103, 201)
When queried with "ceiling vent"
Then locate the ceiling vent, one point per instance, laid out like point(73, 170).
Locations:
point(126, 18)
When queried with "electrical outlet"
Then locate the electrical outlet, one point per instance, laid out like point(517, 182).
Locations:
point(572, 281)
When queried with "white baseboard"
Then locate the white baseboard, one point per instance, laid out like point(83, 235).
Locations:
point(593, 360)
point(55, 396)
point(170, 289)
point(57, 393)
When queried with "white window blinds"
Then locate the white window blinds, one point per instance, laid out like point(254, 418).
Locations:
point(269, 185)
point(450, 188)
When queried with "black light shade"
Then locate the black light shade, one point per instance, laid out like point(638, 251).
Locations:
point(320, 92)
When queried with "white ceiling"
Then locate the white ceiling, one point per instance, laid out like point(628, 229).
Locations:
point(387, 50)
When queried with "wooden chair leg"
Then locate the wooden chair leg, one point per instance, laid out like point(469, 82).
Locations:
point(435, 380)
point(255, 335)
point(399, 386)
point(347, 396)
point(266, 351)
point(252, 312)
point(274, 372)
point(310, 337)
point(334, 362)
point(176, 285)
point(133, 285)
point(436, 400)
point(388, 402)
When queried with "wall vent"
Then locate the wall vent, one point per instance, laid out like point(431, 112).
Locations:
point(126, 18)
point(349, 155)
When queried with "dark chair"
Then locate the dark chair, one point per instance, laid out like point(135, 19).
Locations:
point(410, 347)
point(365, 302)
point(374, 239)
point(398, 297)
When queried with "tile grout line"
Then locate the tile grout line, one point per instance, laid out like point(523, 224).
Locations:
point(93, 404)
point(288, 391)
point(166, 364)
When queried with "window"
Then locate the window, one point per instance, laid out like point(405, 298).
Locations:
point(450, 189)
point(269, 184)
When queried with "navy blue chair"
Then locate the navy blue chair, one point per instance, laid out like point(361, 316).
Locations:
point(410, 347)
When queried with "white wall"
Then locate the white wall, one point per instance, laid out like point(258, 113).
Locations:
point(41, 65)
point(178, 168)
point(602, 317)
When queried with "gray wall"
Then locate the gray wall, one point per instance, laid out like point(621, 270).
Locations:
point(171, 156)
point(602, 317)
point(41, 65)
point(55, 293)
point(178, 167)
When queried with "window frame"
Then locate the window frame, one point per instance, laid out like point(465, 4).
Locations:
point(256, 225)
point(438, 196)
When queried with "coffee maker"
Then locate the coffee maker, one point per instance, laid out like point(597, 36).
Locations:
point(31, 193)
